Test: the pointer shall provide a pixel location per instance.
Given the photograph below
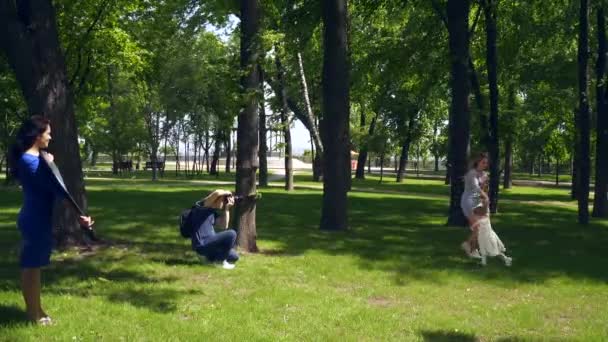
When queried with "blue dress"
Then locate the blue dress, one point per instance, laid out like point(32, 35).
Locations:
point(35, 220)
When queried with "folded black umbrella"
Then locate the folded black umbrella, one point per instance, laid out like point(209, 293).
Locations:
point(58, 179)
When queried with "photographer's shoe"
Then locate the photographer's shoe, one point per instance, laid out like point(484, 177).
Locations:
point(228, 266)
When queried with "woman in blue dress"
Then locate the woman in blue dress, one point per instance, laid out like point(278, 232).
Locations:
point(36, 216)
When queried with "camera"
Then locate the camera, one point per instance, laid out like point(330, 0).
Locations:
point(238, 198)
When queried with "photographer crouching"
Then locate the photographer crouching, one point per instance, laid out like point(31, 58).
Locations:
point(215, 247)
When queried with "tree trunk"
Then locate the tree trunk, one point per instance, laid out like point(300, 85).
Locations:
point(235, 146)
point(584, 115)
point(317, 170)
point(335, 121)
point(600, 201)
point(278, 142)
point(396, 163)
point(508, 166)
point(228, 145)
point(165, 151)
point(403, 160)
point(216, 155)
point(382, 163)
point(154, 128)
point(285, 123)
point(417, 162)
point(113, 121)
point(263, 152)
point(177, 136)
point(556, 172)
point(490, 9)
point(94, 157)
point(207, 149)
point(194, 142)
point(532, 162)
point(317, 162)
point(360, 172)
point(114, 162)
point(574, 166)
point(435, 146)
point(29, 39)
point(288, 153)
point(186, 153)
point(247, 132)
point(312, 148)
point(459, 126)
point(317, 167)
point(507, 183)
point(311, 125)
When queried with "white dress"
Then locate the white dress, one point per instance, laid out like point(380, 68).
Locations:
point(489, 242)
point(471, 197)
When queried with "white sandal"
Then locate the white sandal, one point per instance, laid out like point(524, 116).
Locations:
point(466, 246)
point(45, 321)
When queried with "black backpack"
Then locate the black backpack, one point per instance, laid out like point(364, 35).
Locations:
point(190, 218)
point(185, 223)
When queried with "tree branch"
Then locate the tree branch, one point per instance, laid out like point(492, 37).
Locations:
point(474, 26)
point(84, 77)
point(82, 41)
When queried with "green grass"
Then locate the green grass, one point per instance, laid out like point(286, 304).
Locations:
point(397, 274)
point(563, 178)
point(169, 174)
point(103, 170)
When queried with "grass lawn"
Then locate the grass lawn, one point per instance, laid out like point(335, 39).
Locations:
point(398, 274)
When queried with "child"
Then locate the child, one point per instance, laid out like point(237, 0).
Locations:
point(488, 243)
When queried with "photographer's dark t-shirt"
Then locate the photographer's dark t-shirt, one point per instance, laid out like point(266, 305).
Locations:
point(204, 220)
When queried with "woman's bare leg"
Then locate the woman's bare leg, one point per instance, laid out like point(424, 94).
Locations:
point(30, 286)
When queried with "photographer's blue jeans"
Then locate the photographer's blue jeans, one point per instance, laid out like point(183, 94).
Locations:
point(219, 247)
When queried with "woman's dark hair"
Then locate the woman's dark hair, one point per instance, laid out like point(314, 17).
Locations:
point(30, 129)
point(477, 158)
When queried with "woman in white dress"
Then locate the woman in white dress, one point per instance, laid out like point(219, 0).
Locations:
point(475, 181)
point(483, 241)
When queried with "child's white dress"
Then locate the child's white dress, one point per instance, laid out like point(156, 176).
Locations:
point(489, 242)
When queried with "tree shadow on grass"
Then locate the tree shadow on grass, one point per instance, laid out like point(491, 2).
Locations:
point(11, 315)
point(454, 336)
point(395, 233)
point(159, 300)
point(408, 236)
point(105, 278)
point(447, 336)
point(399, 234)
